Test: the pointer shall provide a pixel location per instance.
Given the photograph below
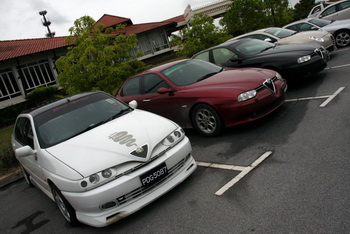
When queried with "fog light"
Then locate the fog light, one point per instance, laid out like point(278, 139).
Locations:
point(108, 205)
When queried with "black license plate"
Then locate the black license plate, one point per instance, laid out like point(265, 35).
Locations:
point(153, 176)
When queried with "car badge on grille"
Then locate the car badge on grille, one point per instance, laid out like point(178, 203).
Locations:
point(140, 151)
point(268, 83)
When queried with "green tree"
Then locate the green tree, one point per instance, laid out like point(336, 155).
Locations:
point(201, 34)
point(249, 15)
point(278, 13)
point(98, 60)
point(302, 9)
point(244, 16)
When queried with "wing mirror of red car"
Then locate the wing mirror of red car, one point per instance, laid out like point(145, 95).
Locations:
point(163, 90)
point(133, 104)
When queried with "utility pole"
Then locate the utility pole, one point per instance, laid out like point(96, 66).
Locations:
point(46, 23)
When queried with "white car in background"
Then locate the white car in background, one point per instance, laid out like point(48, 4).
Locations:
point(99, 159)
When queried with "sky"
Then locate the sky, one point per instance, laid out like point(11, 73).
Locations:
point(20, 19)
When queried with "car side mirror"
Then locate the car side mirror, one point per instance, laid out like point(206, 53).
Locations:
point(236, 60)
point(24, 151)
point(133, 104)
point(163, 90)
point(268, 40)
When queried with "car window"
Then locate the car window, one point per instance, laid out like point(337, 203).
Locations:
point(203, 56)
point(344, 5)
point(320, 22)
point(280, 32)
point(76, 117)
point(223, 55)
point(131, 87)
point(253, 47)
point(152, 82)
point(328, 11)
point(23, 132)
point(190, 72)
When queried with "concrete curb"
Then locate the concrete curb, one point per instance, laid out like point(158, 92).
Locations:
point(11, 177)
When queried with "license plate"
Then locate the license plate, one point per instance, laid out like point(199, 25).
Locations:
point(153, 176)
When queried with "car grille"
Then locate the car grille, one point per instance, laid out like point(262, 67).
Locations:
point(141, 190)
point(320, 51)
point(261, 87)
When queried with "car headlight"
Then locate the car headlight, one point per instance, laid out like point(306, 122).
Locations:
point(316, 39)
point(246, 95)
point(278, 76)
point(174, 137)
point(304, 59)
point(98, 179)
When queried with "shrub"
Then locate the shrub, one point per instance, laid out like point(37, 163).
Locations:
point(42, 93)
point(7, 159)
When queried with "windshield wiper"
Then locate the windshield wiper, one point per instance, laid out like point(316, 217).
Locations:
point(267, 48)
point(209, 75)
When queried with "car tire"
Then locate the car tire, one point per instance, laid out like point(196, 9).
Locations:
point(342, 38)
point(65, 208)
point(206, 120)
point(26, 177)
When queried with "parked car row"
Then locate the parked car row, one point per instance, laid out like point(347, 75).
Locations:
point(101, 159)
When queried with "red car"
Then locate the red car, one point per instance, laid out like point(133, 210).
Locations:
point(201, 95)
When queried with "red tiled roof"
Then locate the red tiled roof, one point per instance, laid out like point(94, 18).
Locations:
point(111, 20)
point(17, 48)
point(139, 28)
point(176, 19)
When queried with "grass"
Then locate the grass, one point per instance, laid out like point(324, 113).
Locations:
point(7, 158)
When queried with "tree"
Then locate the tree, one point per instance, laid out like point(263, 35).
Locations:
point(249, 15)
point(98, 60)
point(201, 35)
point(244, 16)
point(302, 9)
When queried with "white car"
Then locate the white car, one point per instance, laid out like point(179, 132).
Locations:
point(99, 159)
point(336, 11)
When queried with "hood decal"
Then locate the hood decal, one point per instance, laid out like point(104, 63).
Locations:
point(124, 138)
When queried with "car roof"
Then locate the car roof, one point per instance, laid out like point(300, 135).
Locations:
point(38, 110)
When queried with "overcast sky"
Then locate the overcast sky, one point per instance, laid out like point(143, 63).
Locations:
point(20, 19)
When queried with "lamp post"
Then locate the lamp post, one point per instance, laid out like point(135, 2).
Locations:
point(46, 23)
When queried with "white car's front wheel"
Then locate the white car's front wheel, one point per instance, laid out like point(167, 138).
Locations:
point(65, 208)
point(342, 38)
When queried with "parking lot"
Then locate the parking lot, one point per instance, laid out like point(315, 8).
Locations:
point(286, 173)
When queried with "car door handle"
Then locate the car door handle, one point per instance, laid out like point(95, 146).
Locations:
point(146, 100)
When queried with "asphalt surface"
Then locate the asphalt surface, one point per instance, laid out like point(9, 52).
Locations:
point(300, 186)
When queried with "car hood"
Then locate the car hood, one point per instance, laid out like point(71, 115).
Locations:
point(111, 144)
point(303, 37)
point(238, 78)
point(337, 24)
point(297, 49)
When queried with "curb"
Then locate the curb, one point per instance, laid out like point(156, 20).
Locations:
point(11, 177)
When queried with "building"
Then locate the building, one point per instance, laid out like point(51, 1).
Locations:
point(30, 63)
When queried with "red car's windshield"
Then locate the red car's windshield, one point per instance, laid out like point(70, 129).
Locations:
point(190, 71)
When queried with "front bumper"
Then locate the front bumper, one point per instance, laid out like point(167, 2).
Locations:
point(127, 192)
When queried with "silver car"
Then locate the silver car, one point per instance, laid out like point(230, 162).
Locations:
point(339, 28)
point(287, 36)
point(337, 11)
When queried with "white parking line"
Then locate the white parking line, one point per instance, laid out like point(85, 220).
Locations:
point(244, 170)
point(328, 97)
point(332, 97)
point(335, 67)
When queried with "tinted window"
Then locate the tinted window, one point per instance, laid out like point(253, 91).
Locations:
point(280, 32)
point(24, 132)
point(152, 82)
point(203, 56)
point(329, 11)
point(76, 117)
point(223, 55)
point(344, 5)
point(320, 22)
point(190, 71)
point(131, 87)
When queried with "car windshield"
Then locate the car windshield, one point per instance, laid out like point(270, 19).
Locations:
point(280, 32)
point(190, 72)
point(320, 22)
point(76, 117)
point(252, 47)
